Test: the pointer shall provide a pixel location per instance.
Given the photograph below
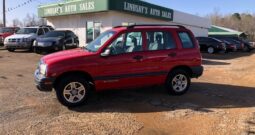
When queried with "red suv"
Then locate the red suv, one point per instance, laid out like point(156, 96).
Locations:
point(121, 58)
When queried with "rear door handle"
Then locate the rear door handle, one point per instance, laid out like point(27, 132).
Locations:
point(172, 54)
point(138, 57)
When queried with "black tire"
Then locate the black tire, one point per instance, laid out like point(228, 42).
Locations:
point(11, 49)
point(63, 83)
point(170, 85)
point(37, 51)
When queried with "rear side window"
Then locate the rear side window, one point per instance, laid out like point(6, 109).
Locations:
point(160, 41)
point(186, 40)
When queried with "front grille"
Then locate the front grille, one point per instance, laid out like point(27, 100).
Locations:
point(14, 40)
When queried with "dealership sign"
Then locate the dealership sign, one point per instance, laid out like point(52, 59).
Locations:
point(85, 6)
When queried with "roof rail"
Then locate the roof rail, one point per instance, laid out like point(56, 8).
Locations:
point(132, 26)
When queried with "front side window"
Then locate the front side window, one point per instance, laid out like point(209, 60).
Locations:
point(160, 41)
point(186, 40)
point(127, 43)
point(95, 45)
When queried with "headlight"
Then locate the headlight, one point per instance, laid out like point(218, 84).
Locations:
point(43, 68)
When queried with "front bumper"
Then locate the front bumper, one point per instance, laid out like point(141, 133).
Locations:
point(43, 83)
point(46, 48)
point(197, 71)
point(15, 45)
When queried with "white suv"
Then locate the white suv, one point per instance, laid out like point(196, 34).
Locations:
point(24, 38)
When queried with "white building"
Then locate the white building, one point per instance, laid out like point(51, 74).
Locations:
point(89, 18)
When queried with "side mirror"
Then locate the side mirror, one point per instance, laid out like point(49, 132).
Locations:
point(106, 53)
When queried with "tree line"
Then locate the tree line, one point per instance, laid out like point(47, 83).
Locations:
point(243, 22)
point(28, 20)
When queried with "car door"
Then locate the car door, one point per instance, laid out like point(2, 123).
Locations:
point(124, 67)
point(160, 56)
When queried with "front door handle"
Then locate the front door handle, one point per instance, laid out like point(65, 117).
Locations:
point(172, 54)
point(138, 57)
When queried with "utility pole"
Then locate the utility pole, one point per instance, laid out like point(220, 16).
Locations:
point(4, 14)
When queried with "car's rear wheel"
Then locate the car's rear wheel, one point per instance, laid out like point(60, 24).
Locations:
point(72, 91)
point(11, 49)
point(178, 82)
point(210, 50)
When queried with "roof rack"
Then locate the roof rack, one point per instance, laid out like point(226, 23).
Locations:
point(134, 25)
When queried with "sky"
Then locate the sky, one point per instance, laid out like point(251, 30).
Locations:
point(196, 7)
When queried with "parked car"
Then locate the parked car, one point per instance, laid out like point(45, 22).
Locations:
point(211, 45)
point(231, 47)
point(55, 41)
point(167, 55)
point(5, 32)
point(25, 37)
point(242, 45)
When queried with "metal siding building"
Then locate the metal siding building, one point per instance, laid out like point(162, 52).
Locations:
point(89, 18)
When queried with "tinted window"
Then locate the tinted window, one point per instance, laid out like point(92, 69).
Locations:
point(70, 34)
point(160, 41)
point(40, 31)
point(186, 40)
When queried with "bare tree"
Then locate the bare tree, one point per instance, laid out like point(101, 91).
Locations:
point(17, 23)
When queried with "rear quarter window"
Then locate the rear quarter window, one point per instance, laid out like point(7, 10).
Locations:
point(186, 40)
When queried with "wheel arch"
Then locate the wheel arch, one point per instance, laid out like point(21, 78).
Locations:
point(83, 74)
point(182, 67)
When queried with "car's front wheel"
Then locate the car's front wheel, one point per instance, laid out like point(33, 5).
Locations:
point(178, 82)
point(72, 91)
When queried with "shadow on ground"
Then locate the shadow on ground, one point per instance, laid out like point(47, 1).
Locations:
point(211, 62)
point(228, 56)
point(202, 97)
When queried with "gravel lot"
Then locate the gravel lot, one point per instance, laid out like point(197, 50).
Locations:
point(220, 102)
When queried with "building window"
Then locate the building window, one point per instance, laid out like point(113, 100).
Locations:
point(93, 30)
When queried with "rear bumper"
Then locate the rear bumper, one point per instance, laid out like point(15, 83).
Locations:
point(43, 83)
point(197, 71)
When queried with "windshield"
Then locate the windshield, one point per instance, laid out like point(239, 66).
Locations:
point(27, 31)
point(5, 30)
point(55, 34)
point(100, 41)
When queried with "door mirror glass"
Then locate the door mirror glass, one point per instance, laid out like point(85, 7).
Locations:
point(106, 53)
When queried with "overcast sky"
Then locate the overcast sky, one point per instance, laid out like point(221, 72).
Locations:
point(198, 7)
